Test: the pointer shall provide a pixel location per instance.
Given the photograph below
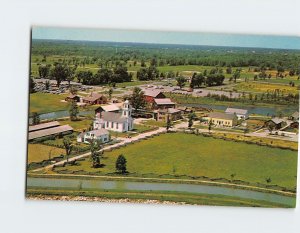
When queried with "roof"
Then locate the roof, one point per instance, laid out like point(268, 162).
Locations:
point(93, 96)
point(71, 96)
point(221, 115)
point(43, 126)
point(163, 101)
point(152, 92)
point(277, 120)
point(114, 117)
point(99, 132)
point(236, 111)
point(50, 131)
point(295, 115)
point(110, 108)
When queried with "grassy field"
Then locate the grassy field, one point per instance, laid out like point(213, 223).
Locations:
point(191, 155)
point(38, 152)
point(265, 87)
point(44, 102)
point(268, 141)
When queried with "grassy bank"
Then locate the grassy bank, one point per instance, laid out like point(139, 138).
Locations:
point(200, 199)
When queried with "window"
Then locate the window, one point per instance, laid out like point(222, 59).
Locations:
point(106, 124)
point(112, 124)
point(117, 125)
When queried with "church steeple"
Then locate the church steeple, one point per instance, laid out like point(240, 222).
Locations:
point(126, 111)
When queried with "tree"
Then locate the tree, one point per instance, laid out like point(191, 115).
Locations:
point(110, 92)
point(137, 99)
point(210, 124)
point(85, 77)
point(68, 147)
point(73, 111)
point(96, 152)
point(180, 81)
point(142, 74)
point(236, 75)
point(191, 118)
point(270, 128)
point(70, 74)
point(44, 71)
point(171, 74)
point(168, 124)
point(60, 72)
point(31, 85)
point(228, 70)
point(121, 164)
point(35, 118)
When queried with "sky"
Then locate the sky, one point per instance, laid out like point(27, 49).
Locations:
point(167, 37)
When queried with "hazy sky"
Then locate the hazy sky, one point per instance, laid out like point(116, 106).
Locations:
point(165, 37)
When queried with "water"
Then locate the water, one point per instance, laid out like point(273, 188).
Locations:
point(148, 186)
point(266, 111)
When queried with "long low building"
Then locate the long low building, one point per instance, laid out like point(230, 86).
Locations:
point(47, 125)
point(222, 119)
point(63, 129)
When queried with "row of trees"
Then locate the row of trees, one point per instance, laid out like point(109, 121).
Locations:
point(105, 54)
point(63, 72)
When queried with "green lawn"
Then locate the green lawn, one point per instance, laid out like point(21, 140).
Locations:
point(196, 156)
point(45, 102)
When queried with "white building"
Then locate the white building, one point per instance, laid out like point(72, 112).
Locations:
point(119, 122)
point(99, 134)
point(240, 113)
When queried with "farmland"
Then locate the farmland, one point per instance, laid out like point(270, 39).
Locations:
point(38, 152)
point(43, 103)
point(196, 156)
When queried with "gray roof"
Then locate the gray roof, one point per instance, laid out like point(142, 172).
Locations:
point(151, 92)
point(236, 111)
point(114, 117)
point(50, 131)
point(110, 108)
point(43, 126)
point(295, 115)
point(222, 115)
point(163, 101)
point(277, 120)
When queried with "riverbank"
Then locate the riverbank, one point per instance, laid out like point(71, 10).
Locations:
point(71, 189)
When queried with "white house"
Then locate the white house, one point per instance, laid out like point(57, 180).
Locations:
point(115, 121)
point(240, 113)
point(99, 134)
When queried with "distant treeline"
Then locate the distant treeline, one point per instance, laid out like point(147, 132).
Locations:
point(108, 54)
